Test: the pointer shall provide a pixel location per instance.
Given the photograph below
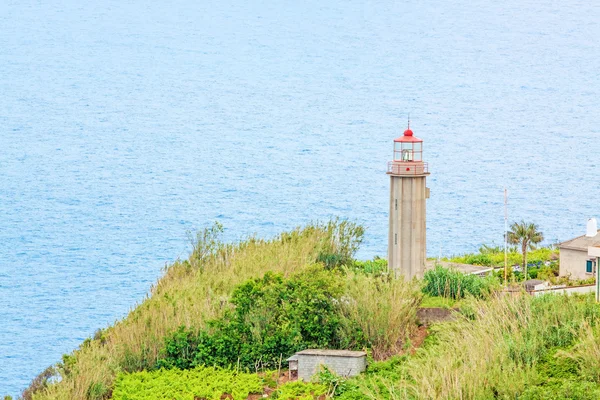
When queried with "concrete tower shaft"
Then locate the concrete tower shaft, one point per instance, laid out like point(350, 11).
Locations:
point(407, 240)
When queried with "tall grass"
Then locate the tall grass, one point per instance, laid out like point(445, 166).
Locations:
point(586, 353)
point(385, 310)
point(191, 292)
point(494, 350)
point(453, 284)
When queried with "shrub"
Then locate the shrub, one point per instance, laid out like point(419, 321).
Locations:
point(299, 391)
point(331, 261)
point(181, 348)
point(192, 292)
point(272, 318)
point(453, 284)
point(200, 383)
point(377, 266)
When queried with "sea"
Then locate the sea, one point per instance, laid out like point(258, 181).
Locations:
point(127, 125)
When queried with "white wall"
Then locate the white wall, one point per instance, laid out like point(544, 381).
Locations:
point(573, 262)
point(567, 290)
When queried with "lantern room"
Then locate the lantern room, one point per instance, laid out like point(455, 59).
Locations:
point(408, 156)
point(408, 148)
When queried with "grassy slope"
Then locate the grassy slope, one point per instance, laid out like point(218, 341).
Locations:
point(498, 348)
point(501, 348)
point(190, 292)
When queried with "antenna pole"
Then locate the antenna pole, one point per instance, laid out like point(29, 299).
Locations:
point(505, 236)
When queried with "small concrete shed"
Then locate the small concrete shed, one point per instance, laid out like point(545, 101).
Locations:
point(306, 363)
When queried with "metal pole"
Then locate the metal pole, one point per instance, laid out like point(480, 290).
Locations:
point(505, 237)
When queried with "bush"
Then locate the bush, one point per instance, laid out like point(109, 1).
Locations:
point(194, 291)
point(453, 284)
point(299, 391)
point(377, 266)
point(494, 256)
point(198, 383)
point(272, 318)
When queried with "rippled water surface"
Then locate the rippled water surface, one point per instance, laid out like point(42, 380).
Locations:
point(127, 123)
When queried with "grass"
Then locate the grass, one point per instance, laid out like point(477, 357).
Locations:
point(190, 292)
point(502, 347)
point(439, 302)
point(202, 382)
point(453, 284)
point(385, 310)
point(493, 256)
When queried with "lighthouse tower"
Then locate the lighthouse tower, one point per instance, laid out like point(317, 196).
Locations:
point(408, 194)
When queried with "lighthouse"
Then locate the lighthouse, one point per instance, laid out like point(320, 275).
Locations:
point(408, 194)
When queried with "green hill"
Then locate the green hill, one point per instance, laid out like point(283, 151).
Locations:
point(221, 323)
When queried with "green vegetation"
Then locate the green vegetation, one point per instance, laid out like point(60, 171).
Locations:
point(217, 324)
point(190, 293)
point(542, 262)
point(449, 283)
point(505, 348)
point(299, 391)
point(201, 382)
point(377, 266)
point(247, 305)
point(272, 318)
point(439, 302)
point(493, 256)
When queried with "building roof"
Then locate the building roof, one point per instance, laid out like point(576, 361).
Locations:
point(335, 353)
point(581, 243)
point(408, 137)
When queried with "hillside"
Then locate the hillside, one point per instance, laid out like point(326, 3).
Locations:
point(224, 320)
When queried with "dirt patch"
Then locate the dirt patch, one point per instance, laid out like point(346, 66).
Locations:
point(427, 316)
point(417, 338)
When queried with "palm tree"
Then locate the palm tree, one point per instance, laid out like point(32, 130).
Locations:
point(526, 235)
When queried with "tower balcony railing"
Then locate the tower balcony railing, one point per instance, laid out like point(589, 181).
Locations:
point(407, 168)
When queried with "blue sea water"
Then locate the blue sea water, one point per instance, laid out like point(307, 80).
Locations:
point(125, 124)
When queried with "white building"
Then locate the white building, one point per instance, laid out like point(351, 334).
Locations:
point(574, 258)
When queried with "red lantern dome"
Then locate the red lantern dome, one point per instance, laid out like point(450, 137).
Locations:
point(408, 155)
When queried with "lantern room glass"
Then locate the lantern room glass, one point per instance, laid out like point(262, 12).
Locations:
point(408, 151)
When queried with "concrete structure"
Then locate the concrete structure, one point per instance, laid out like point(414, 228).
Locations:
point(532, 285)
point(468, 269)
point(306, 363)
point(565, 290)
point(574, 258)
point(408, 194)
